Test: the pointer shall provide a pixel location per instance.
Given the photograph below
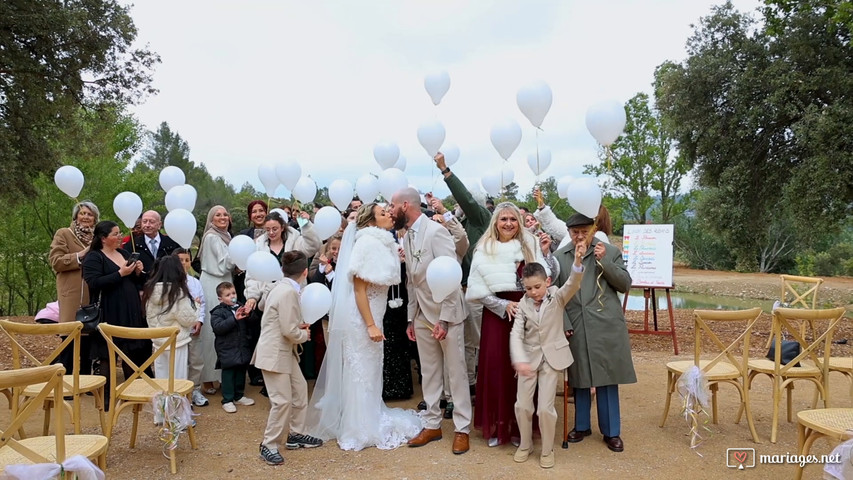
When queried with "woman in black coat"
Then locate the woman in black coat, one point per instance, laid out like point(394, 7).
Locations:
point(115, 283)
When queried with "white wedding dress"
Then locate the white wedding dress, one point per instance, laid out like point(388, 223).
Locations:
point(347, 401)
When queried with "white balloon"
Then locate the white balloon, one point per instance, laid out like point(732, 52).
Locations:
point(505, 136)
point(171, 177)
point(340, 193)
point(181, 197)
point(305, 190)
point(534, 101)
point(491, 182)
point(315, 300)
point(540, 164)
point(267, 176)
point(180, 226)
point(386, 154)
point(69, 179)
point(288, 173)
point(444, 276)
point(606, 121)
point(327, 222)
point(128, 207)
point(563, 185)
point(367, 188)
point(431, 136)
point(437, 84)
point(401, 164)
point(390, 181)
point(584, 195)
point(451, 154)
point(283, 214)
point(262, 265)
point(239, 250)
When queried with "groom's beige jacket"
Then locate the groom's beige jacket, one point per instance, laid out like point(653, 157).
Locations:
point(425, 241)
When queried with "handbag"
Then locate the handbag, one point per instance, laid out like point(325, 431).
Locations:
point(88, 315)
point(790, 350)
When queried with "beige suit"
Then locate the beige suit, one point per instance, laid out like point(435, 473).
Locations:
point(537, 338)
point(425, 241)
point(277, 358)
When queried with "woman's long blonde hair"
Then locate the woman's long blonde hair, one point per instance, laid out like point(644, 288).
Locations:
point(491, 236)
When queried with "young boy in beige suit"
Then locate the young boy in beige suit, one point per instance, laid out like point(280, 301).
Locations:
point(282, 329)
point(540, 352)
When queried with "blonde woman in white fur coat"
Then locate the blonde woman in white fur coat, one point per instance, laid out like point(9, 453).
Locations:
point(347, 400)
point(495, 281)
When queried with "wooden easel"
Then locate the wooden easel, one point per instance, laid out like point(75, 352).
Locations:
point(649, 294)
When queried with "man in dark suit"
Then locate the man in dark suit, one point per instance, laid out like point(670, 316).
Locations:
point(151, 245)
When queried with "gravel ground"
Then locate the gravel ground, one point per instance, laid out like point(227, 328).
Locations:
point(228, 443)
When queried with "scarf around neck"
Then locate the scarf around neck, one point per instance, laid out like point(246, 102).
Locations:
point(84, 234)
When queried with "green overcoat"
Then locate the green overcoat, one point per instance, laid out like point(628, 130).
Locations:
point(600, 342)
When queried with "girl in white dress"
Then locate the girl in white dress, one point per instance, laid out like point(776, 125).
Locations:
point(347, 400)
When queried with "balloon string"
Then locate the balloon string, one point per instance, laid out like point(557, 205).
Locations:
point(609, 158)
point(597, 262)
point(538, 168)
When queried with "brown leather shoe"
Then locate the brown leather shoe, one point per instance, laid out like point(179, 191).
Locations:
point(614, 443)
point(460, 443)
point(427, 435)
point(576, 436)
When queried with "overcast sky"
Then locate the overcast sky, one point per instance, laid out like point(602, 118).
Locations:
point(321, 82)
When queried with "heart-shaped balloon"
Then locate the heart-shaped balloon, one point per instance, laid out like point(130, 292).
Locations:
point(401, 164)
point(534, 101)
point(431, 137)
point(584, 195)
point(305, 190)
point(451, 154)
point(391, 181)
point(367, 188)
point(268, 178)
point(386, 154)
point(505, 136)
point(437, 84)
point(539, 162)
point(288, 173)
point(606, 121)
point(340, 193)
point(563, 185)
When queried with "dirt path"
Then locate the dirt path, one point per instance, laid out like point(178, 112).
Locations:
point(834, 291)
point(228, 443)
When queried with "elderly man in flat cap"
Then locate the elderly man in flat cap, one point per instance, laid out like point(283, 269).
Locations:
point(598, 335)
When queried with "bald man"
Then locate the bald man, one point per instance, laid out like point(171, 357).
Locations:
point(151, 245)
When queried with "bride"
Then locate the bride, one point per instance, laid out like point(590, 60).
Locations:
point(347, 400)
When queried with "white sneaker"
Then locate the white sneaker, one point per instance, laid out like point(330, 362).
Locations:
point(229, 407)
point(245, 401)
point(199, 400)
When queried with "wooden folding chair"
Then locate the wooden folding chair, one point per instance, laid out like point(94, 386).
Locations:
point(800, 292)
point(74, 385)
point(139, 389)
point(44, 449)
point(817, 351)
point(725, 366)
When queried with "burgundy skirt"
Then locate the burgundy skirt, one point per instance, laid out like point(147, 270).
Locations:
point(494, 407)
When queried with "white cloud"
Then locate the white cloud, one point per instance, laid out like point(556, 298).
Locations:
point(322, 82)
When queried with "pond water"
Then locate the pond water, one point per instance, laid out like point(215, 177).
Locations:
point(683, 300)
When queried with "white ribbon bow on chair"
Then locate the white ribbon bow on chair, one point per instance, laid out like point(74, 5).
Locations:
point(80, 466)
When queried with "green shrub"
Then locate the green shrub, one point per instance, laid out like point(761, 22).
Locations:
point(805, 264)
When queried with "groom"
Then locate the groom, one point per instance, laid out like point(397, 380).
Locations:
point(436, 327)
